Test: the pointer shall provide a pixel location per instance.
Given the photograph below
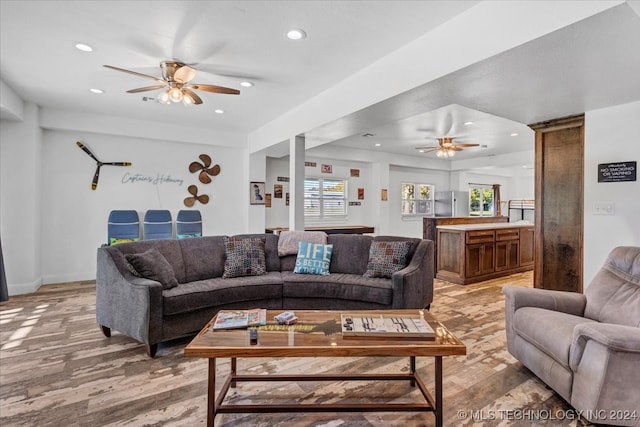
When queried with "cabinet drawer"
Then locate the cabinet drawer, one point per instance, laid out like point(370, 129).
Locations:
point(509, 234)
point(484, 236)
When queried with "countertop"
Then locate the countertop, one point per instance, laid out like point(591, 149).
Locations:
point(485, 226)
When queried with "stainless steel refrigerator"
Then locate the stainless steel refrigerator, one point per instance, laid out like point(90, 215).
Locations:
point(451, 203)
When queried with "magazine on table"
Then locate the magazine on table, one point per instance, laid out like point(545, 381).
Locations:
point(236, 319)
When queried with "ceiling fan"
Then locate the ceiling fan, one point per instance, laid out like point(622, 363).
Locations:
point(176, 78)
point(446, 148)
point(94, 182)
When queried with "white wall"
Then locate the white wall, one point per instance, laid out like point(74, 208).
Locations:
point(52, 222)
point(20, 201)
point(611, 135)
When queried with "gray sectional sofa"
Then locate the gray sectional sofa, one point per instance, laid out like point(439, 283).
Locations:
point(146, 311)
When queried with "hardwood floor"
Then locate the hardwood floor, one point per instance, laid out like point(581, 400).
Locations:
point(57, 369)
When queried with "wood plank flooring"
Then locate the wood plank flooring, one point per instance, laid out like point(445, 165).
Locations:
point(57, 369)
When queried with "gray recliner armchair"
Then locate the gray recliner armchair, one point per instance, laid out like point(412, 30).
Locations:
point(585, 346)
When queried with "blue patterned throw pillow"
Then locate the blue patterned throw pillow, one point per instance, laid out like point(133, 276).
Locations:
point(385, 258)
point(313, 258)
point(245, 257)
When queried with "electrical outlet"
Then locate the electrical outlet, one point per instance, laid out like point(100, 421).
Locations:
point(604, 208)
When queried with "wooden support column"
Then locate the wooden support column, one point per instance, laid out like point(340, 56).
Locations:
point(559, 204)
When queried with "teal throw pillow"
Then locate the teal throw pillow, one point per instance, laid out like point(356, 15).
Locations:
point(385, 258)
point(313, 258)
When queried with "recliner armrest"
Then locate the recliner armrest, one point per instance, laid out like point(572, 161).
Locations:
point(566, 302)
point(621, 338)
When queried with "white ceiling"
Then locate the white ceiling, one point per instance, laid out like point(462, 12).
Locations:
point(588, 65)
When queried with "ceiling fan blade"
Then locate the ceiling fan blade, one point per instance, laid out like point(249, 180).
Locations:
point(427, 147)
point(428, 150)
point(146, 88)
point(135, 73)
point(454, 148)
point(466, 145)
point(195, 167)
point(214, 171)
point(204, 177)
point(189, 201)
point(215, 89)
point(117, 163)
point(204, 199)
point(94, 183)
point(86, 150)
point(193, 190)
point(184, 74)
point(191, 94)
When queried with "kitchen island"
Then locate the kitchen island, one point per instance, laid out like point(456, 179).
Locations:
point(469, 253)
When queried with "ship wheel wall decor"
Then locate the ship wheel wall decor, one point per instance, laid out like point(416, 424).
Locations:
point(190, 201)
point(206, 172)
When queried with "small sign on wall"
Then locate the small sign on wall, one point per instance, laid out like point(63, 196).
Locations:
point(617, 172)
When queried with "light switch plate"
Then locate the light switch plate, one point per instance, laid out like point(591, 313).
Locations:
point(604, 208)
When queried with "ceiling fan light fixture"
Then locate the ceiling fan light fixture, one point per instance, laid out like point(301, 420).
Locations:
point(445, 153)
point(175, 94)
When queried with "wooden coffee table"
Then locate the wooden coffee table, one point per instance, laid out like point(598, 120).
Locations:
point(318, 334)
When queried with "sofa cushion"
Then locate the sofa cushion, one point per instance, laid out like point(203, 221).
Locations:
point(350, 253)
point(288, 240)
point(169, 248)
point(313, 258)
point(386, 257)
point(343, 286)
point(550, 331)
point(613, 296)
point(203, 257)
point(152, 265)
point(218, 291)
point(244, 257)
point(270, 248)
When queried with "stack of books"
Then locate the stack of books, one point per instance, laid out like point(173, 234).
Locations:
point(237, 319)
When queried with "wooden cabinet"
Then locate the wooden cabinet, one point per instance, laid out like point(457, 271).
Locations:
point(469, 255)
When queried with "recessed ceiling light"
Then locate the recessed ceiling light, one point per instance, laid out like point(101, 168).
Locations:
point(84, 47)
point(378, 144)
point(515, 134)
point(94, 90)
point(296, 34)
point(468, 123)
point(421, 151)
point(218, 111)
point(246, 84)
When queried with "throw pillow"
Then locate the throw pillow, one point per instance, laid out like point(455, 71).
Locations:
point(288, 240)
point(117, 240)
point(313, 258)
point(151, 264)
point(245, 257)
point(385, 258)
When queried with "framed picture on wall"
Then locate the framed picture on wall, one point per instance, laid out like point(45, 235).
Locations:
point(256, 193)
point(277, 191)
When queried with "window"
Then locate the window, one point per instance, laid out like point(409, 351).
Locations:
point(480, 200)
point(325, 198)
point(417, 199)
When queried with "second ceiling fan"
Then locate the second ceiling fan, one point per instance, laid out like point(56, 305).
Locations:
point(176, 78)
point(446, 147)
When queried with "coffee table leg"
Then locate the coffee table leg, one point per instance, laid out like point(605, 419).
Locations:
point(412, 369)
point(438, 413)
point(233, 371)
point(211, 393)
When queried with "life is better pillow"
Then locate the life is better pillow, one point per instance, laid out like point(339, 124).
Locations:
point(313, 258)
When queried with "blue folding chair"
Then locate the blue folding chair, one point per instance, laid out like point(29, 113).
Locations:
point(123, 226)
point(188, 224)
point(157, 225)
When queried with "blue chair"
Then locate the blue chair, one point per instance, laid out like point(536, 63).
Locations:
point(157, 225)
point(123, 226)
point(188, 224)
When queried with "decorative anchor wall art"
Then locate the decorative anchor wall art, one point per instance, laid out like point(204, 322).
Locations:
point(94, 183)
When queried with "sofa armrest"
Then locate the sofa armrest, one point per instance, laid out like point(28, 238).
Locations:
point(567, 302)
point(604, 358)
point(621, 338)
point(413, 285)
point(130, 305)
